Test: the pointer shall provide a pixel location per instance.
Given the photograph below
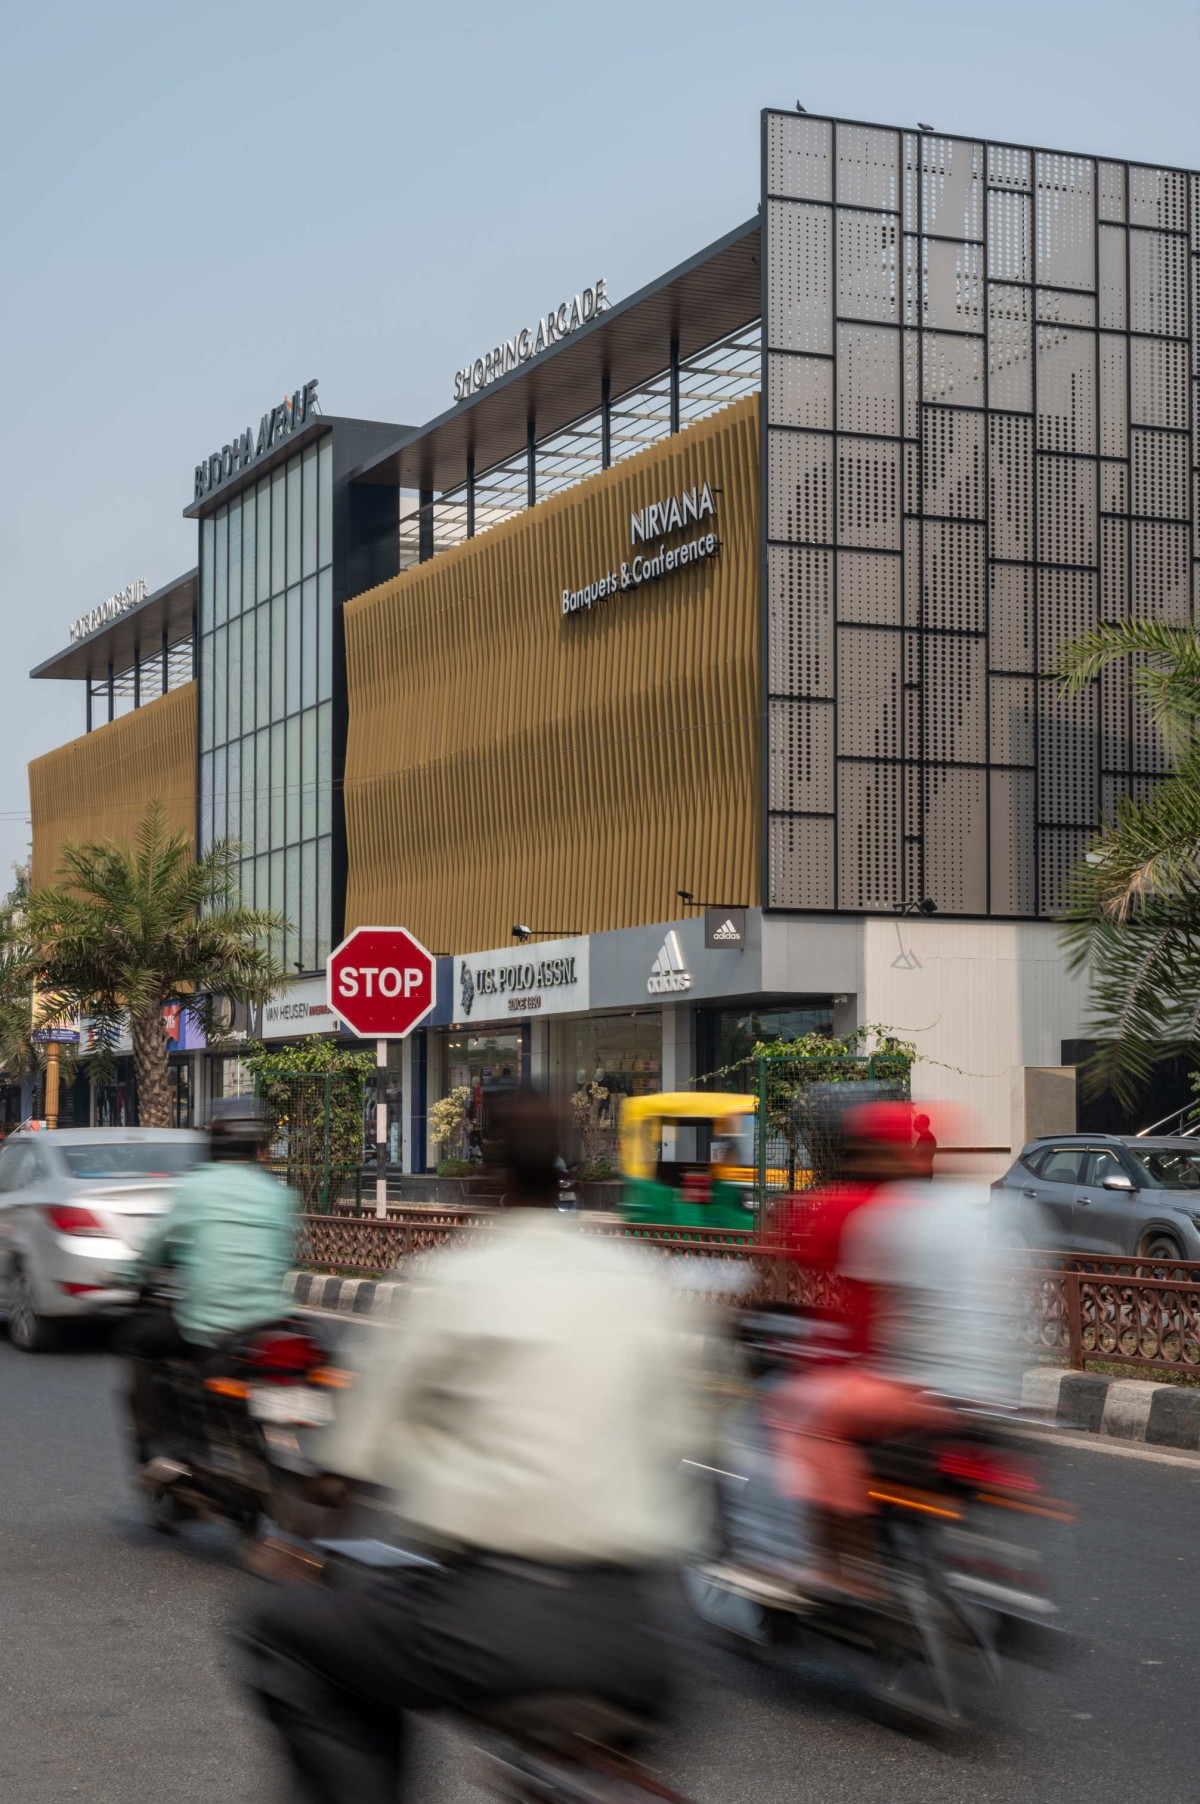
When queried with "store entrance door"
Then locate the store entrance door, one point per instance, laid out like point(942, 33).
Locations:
point(492, 1064)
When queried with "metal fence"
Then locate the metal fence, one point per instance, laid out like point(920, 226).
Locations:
point(318, 1141)
point(799, 1102)
point(1135, 1312)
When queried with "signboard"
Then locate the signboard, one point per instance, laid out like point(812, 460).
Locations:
point(131, 596)
point(558, 324)
point(55, 1036)
point(244, 450)
point(301, 1009)
point(652, 526)
point(381, 981)
point(669, 976)
point(547, 979)
point(724, 929)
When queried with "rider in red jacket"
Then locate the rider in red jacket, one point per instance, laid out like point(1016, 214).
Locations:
point(823, 1415)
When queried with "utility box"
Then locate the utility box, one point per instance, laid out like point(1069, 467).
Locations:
point(1044, 1101)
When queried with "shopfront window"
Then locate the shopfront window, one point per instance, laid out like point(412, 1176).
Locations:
point(738, 1031)
point(621, 1053)
point(231, 1077)
point(489, 1064)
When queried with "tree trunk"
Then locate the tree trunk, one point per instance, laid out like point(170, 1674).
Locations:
point(150, 1064)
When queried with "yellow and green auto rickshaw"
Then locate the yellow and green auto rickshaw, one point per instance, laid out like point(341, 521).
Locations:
point(688, 1160)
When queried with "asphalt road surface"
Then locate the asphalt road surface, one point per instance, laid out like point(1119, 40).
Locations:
point(116, 1685)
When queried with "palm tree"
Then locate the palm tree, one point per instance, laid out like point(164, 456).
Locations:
point(130, 928)
point(1134, 914)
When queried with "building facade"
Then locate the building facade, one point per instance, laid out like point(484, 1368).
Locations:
point(980, 364)
point(744, 591)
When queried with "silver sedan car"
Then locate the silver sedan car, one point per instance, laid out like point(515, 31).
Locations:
point(75, 1205)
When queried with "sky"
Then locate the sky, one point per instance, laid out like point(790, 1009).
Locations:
point(203, 206)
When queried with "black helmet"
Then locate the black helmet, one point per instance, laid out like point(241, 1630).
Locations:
point(237, 1127)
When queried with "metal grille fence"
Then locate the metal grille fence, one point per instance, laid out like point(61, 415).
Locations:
point(317, 1147)
point(1133, 1312)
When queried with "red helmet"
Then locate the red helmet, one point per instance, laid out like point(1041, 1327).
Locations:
point(890, 1123)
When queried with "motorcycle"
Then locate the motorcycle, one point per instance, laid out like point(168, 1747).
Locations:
point(552, 1748)
point(230, 1447)
point(955, 1591)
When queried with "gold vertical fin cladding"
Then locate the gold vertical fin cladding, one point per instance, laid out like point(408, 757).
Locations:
point(99, 786)
point(506, 764)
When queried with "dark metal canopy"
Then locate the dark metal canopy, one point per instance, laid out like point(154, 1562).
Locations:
point(169, 610)
point(698, 302)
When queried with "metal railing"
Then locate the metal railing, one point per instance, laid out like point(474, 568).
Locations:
point(1134, 1312)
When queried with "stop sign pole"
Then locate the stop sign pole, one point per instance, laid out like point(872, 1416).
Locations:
point(382, 983)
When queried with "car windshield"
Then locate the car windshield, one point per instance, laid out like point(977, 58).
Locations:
point(1174, 1167)
point(132, 1158)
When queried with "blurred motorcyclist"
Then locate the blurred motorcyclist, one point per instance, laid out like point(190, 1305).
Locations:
point(528, 1418)
point(228, 1239)
point(911, 1260)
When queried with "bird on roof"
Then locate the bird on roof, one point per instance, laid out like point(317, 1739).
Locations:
point(801, 109)
point(921, 127)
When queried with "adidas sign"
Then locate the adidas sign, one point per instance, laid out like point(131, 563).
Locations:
point(668, 975)
point(728, 934)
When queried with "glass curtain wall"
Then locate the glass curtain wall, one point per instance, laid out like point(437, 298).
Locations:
point(266, 681)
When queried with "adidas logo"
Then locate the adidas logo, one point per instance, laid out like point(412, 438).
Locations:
point(668, 974)
point(728, 932)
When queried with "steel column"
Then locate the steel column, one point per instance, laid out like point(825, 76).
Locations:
point(605, 422)
point(531, 465)
point(112, 694)
point(674, 382)
point(425, 526)
point(470, 494)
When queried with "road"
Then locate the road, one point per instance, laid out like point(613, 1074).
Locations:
point(116, 1684)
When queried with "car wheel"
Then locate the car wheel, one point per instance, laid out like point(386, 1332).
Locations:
point(28, 1331)
point(1160, 1246)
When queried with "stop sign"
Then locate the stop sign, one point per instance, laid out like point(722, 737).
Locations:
point(381, 982)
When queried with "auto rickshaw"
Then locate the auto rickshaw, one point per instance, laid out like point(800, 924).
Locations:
point(688, 1159)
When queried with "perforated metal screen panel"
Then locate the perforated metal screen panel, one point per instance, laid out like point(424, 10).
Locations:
point(981, 366)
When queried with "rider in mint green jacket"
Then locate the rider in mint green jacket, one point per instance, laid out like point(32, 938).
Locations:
point(227, 1238)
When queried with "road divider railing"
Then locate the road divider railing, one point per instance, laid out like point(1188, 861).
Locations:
point(1079, 1307)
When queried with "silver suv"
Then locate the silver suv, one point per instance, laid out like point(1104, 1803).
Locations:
point(1102, 1193)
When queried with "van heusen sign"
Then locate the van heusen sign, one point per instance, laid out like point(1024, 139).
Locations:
point(558, 324)
point(658, 521)
point(244, 450)
point(301, 1009)
point(131, 596)
point(550, 979)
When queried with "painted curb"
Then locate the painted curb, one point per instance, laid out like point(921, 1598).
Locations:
point(354, 1297)
point(1127, 1409)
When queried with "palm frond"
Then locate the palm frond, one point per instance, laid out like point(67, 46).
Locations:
point(128, 928)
